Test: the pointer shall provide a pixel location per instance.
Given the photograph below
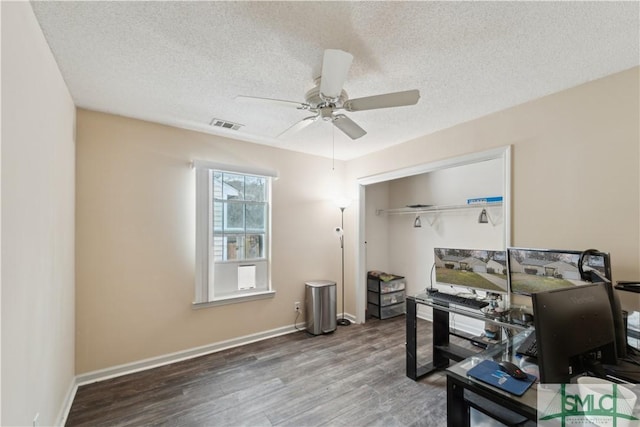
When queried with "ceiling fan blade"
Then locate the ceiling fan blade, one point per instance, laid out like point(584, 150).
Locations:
point(395, 99)
point(298, 126)
point(282, 102)
point(335, 67)
point(348, 126)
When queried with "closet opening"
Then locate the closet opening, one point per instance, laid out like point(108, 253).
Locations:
point(461, 202)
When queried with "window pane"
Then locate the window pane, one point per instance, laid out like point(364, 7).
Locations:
point(233, 188)
point(237, 225)
point(254, 246)
point(234, 247)
point(234, 220)
point(217, 185)
point(256, 218)
point(255, 189)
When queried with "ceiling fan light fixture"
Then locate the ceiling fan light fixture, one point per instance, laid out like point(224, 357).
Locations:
point(314, 100)
point(326, 113)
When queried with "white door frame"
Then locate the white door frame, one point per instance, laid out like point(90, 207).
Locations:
point(503, 153)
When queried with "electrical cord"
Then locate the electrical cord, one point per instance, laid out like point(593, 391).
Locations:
point(430, 289)
point(431, 274)
point(295, 321)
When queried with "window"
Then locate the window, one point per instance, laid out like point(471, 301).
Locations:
point(233, 207)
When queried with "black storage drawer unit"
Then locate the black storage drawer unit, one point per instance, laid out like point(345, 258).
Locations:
point(385, 298)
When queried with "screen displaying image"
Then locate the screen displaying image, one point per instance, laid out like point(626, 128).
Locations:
point(476, 269)
point(535, 270)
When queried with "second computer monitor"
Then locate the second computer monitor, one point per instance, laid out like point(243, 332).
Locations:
point(535, 270)
point(574, 330)
point(474, 269)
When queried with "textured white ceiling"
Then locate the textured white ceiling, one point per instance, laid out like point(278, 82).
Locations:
point(183, 63)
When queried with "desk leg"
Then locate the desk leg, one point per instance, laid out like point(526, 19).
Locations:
point(412, 360)
point(457, 409)
point(439, 341)
point(440, 337)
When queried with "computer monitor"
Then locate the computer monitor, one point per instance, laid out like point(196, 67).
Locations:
point(574, 330)
point(475, 269)
point(535, 270)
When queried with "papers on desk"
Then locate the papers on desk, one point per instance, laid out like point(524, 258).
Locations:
point(489, 372)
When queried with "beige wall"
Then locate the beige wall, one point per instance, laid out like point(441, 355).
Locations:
point(575, 168)
point(38, 156)
point(575, 185)
point(135, 239)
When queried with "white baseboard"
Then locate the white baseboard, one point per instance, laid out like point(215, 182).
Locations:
point(61, 420)
point(141, 365)
point(154, 362)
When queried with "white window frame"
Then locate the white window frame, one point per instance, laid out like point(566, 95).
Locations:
point(205, 260)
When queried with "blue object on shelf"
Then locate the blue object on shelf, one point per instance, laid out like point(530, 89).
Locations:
point(484, 200)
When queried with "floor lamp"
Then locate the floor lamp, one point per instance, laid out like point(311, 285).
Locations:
point(342, 204)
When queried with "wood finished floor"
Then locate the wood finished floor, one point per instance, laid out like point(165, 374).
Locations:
point(352, 377)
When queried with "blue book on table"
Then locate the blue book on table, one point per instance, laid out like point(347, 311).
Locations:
point(489, 372)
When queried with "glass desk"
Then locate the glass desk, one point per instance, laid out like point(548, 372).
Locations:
point(464, 392)
point(442, 349)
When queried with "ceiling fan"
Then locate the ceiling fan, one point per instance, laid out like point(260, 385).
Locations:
point(328, 97)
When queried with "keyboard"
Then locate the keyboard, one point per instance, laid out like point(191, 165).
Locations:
point(529, 346)
point(445, 298)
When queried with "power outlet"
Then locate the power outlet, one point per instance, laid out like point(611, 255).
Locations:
point(296, 306)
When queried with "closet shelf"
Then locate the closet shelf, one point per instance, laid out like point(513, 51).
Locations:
point(435, 208)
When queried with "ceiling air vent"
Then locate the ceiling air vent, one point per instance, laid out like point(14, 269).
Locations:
point(225, 124)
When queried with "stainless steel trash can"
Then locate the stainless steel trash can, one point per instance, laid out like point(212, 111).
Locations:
point(320, 306)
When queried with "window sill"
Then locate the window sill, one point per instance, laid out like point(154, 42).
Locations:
point(235, 299)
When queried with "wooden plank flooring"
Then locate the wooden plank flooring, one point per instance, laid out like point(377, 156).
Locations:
point(352, 377)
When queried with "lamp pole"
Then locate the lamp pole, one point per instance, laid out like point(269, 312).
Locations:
point(342, 321)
